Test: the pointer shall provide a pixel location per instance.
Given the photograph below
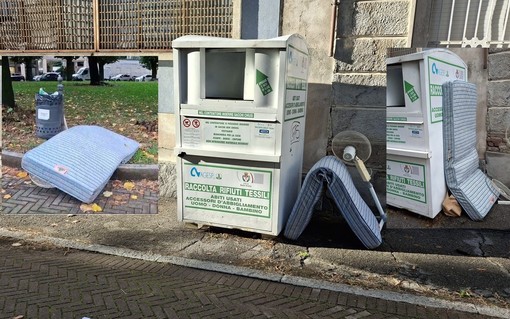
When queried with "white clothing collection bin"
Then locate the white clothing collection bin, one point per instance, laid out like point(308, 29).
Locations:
point(241, 118)
point(414, 133)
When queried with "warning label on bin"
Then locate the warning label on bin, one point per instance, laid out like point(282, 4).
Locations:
point(440, 72)
point(406, 180)
point(241, 191)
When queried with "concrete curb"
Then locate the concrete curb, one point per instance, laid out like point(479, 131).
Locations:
point(243, 271)
point(124, 172)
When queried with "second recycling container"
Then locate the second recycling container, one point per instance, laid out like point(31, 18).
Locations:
point(241, 108)
point(414, 132)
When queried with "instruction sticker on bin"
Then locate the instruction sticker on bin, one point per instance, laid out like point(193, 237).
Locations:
point(439, 72)
point(229, 135)
point(232, 190)
point(406, 180)
point(296, 85)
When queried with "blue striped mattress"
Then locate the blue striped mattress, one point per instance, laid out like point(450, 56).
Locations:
point(470, 186)
point(80, 160)
point(330, 172)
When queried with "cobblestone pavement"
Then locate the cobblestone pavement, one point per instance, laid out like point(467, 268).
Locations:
point(39, 281)
point(21, 196)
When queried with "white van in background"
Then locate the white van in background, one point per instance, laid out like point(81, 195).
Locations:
point(83, 74)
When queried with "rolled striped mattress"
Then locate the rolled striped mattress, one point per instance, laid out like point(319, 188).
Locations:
point(470, 186)
point(330, 172)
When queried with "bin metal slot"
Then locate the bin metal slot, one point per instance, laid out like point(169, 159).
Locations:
point(409, 153)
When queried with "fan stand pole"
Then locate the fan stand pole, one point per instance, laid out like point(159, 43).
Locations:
point(365, 176)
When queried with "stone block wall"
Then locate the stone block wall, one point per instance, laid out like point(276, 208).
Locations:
point(498, 115)
point(498, 101)
point(366, 29)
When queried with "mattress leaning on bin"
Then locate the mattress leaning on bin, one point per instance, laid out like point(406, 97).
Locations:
point(80, 160)
point(330, 172)
point(470, 186)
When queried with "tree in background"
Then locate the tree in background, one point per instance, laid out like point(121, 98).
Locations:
point(69, 69)
point(95, 79)
point(151, 63)
point(102, 60)
point(7, 91)
point(29, 63)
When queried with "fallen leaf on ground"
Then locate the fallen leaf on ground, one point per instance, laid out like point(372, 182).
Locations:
point(22, 174)
point(7, 196)
point(134, 197)
point(107, 194)
point(54, 225)
point(129, 185)
point(16, 244)
point(71, 215)
point(3, 191)
point(90, 208)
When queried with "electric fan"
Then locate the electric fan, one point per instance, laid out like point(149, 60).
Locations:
point(354, 148)
point(503, 191)
point(39, 182)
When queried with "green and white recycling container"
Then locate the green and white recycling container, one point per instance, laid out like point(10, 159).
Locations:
point(240, 109)
point(415, 177)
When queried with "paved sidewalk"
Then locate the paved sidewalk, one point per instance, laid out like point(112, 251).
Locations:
point(21, 196)
point(39, 281)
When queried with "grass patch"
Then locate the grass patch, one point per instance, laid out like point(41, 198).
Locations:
point(128, 108)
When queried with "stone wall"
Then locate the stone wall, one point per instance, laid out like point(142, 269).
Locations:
point(498, 124)
point(311, 19)
point(366, 29)
point(498, 115)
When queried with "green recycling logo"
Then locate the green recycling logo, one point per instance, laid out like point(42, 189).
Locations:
point(263, 83)
point(410, 91)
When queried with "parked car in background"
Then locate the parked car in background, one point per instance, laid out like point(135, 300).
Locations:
point(17, 77)
point(133, 78)
point(50, 76)
point(144, 78)
point(121, 77)
point(37, 77)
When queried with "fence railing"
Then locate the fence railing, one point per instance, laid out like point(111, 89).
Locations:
point(108, 25)
point(471, 23)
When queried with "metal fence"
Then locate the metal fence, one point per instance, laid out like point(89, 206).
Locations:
point(108, 25)
point(470, 23)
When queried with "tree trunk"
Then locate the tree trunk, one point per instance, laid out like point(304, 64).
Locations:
point(7, 91)
point(69, 68)
point(28, 68)
point(94, 72)
point(101, 70)
point(154, 69)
